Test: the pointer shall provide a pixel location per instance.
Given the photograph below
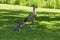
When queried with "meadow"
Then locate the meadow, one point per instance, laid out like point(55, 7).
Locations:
point(46, 27)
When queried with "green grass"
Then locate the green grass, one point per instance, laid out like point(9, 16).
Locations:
point(46, 27)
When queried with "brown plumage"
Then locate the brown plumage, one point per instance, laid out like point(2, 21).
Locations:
point(32, 15)
point(29, 18)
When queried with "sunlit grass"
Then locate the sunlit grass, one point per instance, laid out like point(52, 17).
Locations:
point(46, 27)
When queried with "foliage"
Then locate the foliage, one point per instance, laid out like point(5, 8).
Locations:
point(40, 3)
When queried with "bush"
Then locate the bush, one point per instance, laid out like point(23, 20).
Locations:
point(39, 3)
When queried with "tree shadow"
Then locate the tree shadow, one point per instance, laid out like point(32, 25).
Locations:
point(14, 19)
point(12, 12)
point(40, 31)
point(11, 20)
point(43, 18)
point(51, 16)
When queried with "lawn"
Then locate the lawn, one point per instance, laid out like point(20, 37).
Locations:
point(46, 27)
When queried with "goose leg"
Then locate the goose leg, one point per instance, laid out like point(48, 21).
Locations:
point(33, 21)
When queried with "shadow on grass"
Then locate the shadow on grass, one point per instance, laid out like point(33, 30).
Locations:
point(4, 12)
point(11, 20)
point(46, 18)
point(47, 13)
point(51, 16)
point(12, 12)
point(41, 32)
point(14, 19)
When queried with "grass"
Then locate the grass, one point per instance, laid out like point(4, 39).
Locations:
point(46, 27)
